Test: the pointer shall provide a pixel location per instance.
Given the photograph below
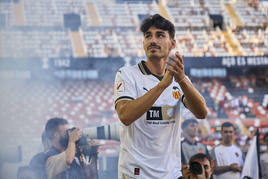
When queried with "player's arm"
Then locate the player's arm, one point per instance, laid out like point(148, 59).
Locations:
point(225, 168)
point(130, 110)
point(222, 169)
point(70, 150)
point(193, 100)
point(61, 162)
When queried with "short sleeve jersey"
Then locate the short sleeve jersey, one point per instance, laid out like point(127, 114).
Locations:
point(150, 146)
point(226, 155)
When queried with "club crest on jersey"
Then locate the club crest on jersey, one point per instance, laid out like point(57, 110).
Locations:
point(176, 92)
point(120, 86)
point(201, 150)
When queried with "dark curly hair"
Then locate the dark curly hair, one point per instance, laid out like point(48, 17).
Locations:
point(159, 22)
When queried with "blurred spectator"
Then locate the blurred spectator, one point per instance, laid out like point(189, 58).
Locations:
point(61, 159)
point(193, 170)
point(228, 156)
point(190, 145)
point(264, 158)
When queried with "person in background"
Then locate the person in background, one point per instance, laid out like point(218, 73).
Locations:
point(264, 158)
point(229, 159)
point(61, 159)
point(205, 169)
point(190, 146)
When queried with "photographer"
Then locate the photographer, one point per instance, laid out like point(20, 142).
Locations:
point(61, 162)
point(200, 167)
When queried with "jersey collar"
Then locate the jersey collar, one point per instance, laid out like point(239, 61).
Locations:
point(145, 70)
point(190, 143)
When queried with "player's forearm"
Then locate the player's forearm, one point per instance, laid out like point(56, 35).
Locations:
point(221, 169)
point(130, 111)
point(193, 99)
point(70, 152)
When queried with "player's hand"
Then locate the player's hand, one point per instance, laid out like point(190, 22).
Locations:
point(83, 160)
point(167, 79)
point(235, 168)
point(177, 67)
point(74, 135)
point(185, 170)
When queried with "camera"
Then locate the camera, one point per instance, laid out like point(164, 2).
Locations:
point(81, 144)
point(196, 168)
point(107, 132)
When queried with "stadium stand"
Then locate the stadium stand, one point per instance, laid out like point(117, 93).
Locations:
point(247, 14)
point(252, 41)
point(6, 9)
point(199, 39)
point(188, 14)
point(35, 43)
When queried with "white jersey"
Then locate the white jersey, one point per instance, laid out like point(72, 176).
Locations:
point(150, 146)
point(226, 155)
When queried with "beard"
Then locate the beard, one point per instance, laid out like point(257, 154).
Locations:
point(63, 141)
point(155, 56)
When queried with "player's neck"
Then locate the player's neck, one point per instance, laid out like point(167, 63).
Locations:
point(226, 144)
point(156, 66)
point(190, 139)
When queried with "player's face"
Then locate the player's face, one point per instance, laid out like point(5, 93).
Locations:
point(157, 43)
point(227, 135)
point(192, 129)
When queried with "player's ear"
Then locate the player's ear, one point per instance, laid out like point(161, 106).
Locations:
point(173, 43)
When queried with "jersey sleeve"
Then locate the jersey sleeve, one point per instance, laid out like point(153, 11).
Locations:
point(124, 86)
